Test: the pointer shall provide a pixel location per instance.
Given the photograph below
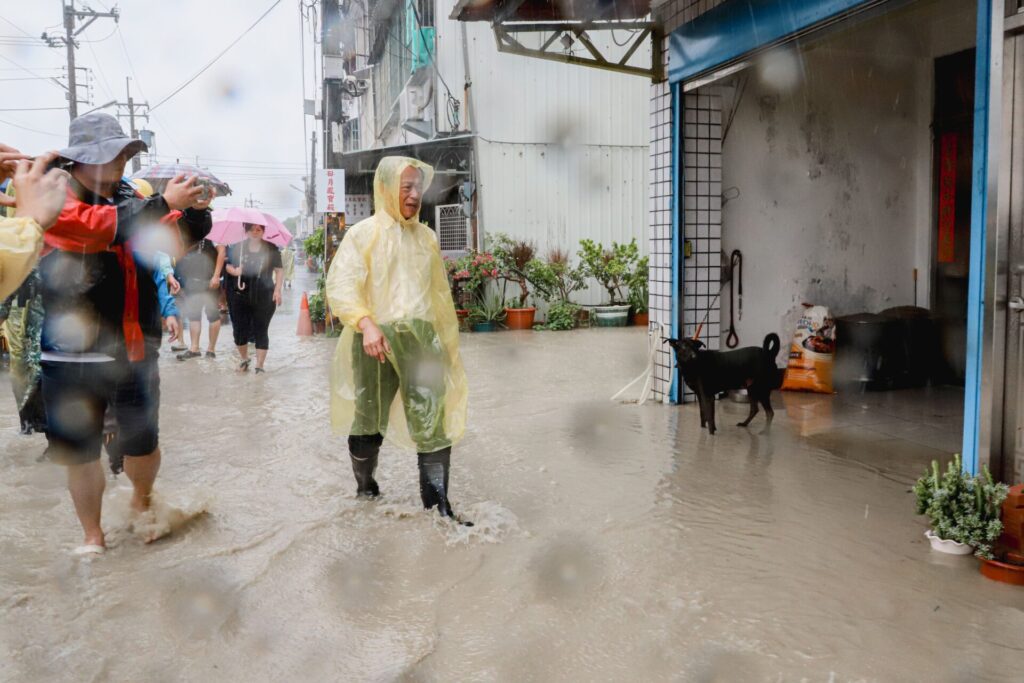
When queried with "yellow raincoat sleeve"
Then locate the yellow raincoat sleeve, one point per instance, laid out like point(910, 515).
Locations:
point(347, 280)
point(20, 241)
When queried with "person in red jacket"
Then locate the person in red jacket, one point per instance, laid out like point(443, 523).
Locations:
point(102, 318)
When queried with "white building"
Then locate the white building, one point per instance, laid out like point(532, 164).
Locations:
point(536, 149)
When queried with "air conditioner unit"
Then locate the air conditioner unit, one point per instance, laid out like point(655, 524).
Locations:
point(414, 104)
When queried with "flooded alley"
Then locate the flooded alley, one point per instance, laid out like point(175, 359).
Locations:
point(612, 542)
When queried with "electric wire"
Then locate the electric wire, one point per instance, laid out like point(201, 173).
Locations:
point(33, 73)
point(31, 130)
point(219, 55)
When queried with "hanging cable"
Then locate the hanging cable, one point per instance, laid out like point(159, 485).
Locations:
point(219, 55)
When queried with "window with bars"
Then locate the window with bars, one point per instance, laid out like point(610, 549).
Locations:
point(452, 227)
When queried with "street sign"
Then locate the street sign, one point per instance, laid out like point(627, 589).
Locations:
point(330, 190)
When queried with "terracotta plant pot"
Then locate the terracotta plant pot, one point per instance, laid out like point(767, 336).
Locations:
point(520, 318)
point(319, 326)
point(642, 319)
point(583, 317)
point(1013, 519)
point(1003, 571)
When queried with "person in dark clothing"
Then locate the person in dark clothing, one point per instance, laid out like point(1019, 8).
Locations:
point(102, 319)
point(197, 271)
point(254, 292)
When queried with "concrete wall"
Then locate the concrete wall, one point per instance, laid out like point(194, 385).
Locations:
point(830, 150)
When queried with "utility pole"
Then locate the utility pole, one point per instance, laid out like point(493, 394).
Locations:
point(131, 118)
point(68, 41)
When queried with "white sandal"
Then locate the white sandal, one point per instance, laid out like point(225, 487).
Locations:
point(89, 550)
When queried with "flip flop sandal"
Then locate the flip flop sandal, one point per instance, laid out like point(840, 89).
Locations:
point(189, 354)
point(244, 365)
point(211, 354)
point(260, 371)
point(89, 550)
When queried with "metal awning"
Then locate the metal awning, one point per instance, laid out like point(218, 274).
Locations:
point(554, 30)
point(498, 11)
point(451, 157)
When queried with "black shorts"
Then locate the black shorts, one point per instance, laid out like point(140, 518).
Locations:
point(195, 299)
point(77, 395)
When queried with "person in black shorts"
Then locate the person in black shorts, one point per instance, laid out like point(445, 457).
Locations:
point(254, 292)
point(200, 282)
point(102, 322)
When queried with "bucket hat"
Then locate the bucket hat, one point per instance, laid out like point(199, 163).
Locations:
point(97, 138)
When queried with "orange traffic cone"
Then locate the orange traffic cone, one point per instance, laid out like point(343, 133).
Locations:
point(305, 327)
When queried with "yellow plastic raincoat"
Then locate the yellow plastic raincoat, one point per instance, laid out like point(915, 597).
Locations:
point(20, 241)
point(390, 269)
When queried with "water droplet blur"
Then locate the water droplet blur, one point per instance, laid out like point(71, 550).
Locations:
point(780, 69)
point(567, 569)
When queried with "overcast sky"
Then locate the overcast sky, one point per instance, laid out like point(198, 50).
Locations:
point(242, 117)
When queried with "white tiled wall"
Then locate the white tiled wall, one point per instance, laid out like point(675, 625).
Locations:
point(701, 220)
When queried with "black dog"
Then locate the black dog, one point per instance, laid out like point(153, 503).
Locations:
point(709, 372)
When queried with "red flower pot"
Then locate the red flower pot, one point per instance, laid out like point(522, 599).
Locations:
point(1003, 571)
point(642, 319)
point(520, 318)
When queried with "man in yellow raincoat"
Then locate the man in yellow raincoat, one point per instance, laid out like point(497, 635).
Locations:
point(388, 286)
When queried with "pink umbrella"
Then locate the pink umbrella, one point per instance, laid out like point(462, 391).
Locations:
point(229, 226)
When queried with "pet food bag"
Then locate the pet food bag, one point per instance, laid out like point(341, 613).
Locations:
point(812, 352)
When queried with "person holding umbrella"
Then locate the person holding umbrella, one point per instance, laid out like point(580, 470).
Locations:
point(255, 279)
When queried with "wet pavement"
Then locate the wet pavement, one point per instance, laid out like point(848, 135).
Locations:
point(613, 541)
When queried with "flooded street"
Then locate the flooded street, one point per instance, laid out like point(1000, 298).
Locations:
point(612, 542)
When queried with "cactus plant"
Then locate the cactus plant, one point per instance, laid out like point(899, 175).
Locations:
point(962, 507)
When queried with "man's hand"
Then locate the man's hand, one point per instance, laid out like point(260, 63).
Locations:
point(374, 343)
point(214, 282)
point(173, 284)
point(181, 192)
point(277, 297)
point(205, 199)
point(39, 194)
point(174, 327)
point(9, 158)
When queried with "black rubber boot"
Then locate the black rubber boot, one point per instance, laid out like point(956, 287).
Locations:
point(363, 451)
point(434, 482)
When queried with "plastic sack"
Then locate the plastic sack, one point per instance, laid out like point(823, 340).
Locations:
point(812, 352)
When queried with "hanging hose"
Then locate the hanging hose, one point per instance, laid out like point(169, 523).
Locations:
point(654, 343)
point(732, 340)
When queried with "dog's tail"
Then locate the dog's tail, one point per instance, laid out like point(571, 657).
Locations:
point(772, 345)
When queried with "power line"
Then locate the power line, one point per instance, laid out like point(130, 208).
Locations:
point(34, 109)
point(219, 55)
point(8, 21)
point(32, 130)
point(33, 73)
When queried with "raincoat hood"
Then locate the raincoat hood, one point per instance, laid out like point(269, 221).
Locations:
point(387, 182)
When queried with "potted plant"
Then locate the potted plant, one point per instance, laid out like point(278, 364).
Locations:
point(314, 247)
point(458, 274)
point(639, 293)
point(514, 258)
point(555, 279)
point(611, 268)
point(485, 316)
point(318, 312)
point(964, 510)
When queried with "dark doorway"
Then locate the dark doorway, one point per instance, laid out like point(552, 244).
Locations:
point(953, 147)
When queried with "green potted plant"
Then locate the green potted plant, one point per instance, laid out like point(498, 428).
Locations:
point(513, 258)
point(314, 248)
point(458, 274)
point(555, 279)
point(318, 312)
point(486, 315)
point(611, 268)
point(964, 510)
point(639, 293)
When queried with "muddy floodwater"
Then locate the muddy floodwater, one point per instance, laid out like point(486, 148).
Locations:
point(612, 542)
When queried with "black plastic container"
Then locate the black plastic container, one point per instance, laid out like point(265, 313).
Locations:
point(916, 350)
point(866, 356)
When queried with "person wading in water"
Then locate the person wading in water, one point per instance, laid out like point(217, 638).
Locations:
point(388, 286)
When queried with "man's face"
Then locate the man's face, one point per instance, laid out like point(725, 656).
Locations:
point(101, 178)
point(254, 232)
point(410, 192)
